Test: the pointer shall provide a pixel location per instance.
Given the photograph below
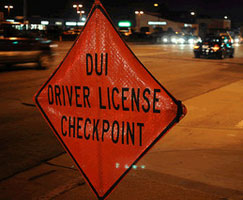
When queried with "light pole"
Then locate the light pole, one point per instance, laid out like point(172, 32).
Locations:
point(8, 7)
point(77, 6)
point(80, 12)
point(193, 14)
point(138, 14)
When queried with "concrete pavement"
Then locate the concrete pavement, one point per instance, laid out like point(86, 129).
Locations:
point(200, 159)
point(57, 179)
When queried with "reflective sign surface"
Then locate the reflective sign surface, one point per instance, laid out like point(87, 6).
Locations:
point(104, 106)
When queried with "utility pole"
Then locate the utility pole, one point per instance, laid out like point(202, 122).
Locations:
point(25, 10)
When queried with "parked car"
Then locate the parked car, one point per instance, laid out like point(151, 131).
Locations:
point(139, 37)
point(124, 31)
point(215, 46)
point(18, 47)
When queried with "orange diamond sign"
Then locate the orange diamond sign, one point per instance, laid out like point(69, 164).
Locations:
point(104, 106)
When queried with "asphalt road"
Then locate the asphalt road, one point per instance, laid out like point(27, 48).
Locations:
point(26, 140)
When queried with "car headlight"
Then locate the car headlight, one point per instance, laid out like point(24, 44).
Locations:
point(237, 40)
point(173, 40)
point(165, 40)
point(181, 40)
point(191, 41)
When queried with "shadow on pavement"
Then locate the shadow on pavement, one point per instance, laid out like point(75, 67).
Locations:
point(19, 67)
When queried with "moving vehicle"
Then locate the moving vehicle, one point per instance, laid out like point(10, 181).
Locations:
point(180, 39)
point(238, 39)
point(19, 47)
point(215, 46)
point(191, 39)
point(170, 38)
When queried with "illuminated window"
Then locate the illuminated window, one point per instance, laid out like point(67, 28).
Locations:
point(71, 23)
point(44, 22)
point(81, 23)
point(187, 25)
point(156, 23)
point(58, 23)
point(124, 24)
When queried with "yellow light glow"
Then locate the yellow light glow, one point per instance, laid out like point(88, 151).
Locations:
point(196, 47)
point(215, 48)
point(13, 38)
point(156, 5)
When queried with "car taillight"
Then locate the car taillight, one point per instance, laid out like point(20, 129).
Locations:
point(216, 47)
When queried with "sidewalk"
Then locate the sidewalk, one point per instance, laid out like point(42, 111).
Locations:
point(58, 179)
point(199, 159)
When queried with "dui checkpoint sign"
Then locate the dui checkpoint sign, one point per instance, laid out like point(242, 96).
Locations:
point(104, 106)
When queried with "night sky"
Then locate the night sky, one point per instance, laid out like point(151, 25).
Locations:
point(63, 8)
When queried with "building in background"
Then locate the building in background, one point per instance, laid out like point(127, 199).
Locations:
point(151, 22)
point(211, 26)
point(1, 16)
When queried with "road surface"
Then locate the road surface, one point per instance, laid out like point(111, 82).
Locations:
point(205, 149)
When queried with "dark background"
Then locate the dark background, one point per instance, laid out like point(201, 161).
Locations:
point(63, 8)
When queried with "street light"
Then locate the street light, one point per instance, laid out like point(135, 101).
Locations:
point(225, 17)
point(193, 13)
point(156, 5)
point(77, 6)
point(139, 13)
point(80, 12)
point(8, 7)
